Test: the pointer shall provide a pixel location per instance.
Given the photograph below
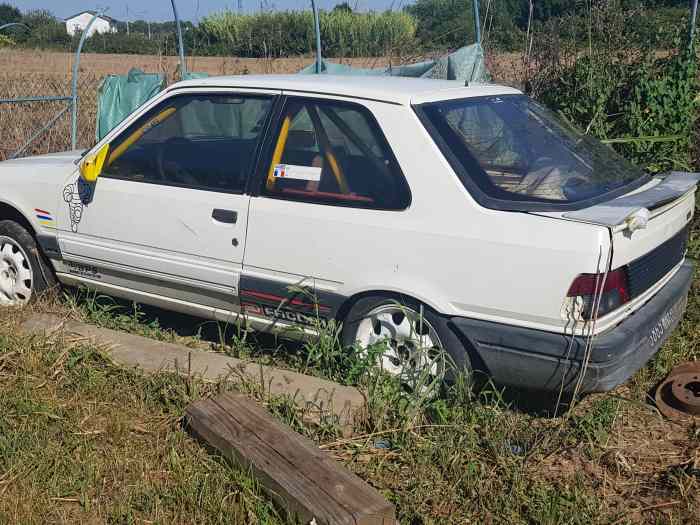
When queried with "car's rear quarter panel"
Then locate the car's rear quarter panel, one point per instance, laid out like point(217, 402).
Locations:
point(444, 249)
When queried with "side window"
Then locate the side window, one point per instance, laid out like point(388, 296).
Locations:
point(334, 153)
point(204, 141)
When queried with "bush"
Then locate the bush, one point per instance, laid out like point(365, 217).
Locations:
point(615, 90)
point(6, 41)
point(449, 24)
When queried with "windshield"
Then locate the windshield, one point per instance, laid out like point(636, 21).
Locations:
point(511, 148)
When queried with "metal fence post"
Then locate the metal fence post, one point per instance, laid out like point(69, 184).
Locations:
point(693, 17)
point(181, 46)
point(317, 29)
point(477, 22)
point(74, 84)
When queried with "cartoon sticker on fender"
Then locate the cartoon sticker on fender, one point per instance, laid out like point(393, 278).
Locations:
point(77, 195)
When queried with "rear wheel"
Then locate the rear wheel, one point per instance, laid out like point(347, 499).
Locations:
point(413, 340)
point(23, 272)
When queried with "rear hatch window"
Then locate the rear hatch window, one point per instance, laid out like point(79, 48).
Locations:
point(512, 153)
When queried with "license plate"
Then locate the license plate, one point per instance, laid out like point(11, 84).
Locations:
point(668, 320)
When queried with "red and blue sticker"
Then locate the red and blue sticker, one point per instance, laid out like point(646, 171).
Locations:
point(45, 217)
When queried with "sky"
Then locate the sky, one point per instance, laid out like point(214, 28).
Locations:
point(160, 10)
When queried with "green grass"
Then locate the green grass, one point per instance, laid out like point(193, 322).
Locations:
point(84, 441)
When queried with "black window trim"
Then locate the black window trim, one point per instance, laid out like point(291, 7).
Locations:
point(514, 204)
point(252, 163)
point(263, 164)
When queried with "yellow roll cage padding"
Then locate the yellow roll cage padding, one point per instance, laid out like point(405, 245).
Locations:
point(279, 149)
point(327, 152)
point(335, 168)
point(137, 134)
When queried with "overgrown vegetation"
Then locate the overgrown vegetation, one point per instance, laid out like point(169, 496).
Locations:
point(644, 102)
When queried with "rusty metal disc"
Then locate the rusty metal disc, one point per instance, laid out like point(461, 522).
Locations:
point(678, 396)
point(686, 391)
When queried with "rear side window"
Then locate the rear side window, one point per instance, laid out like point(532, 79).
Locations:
point(334, 153)
point(203, 141)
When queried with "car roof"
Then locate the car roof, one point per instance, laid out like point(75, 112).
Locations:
point(396, 90)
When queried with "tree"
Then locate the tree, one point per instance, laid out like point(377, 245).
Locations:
point(9, 13)
point(344, 7)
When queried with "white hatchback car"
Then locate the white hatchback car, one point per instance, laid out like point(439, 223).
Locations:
point(423, 213)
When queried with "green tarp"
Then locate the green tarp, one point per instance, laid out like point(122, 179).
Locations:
point(119, 95)
point(191, 75)
point(466, 64)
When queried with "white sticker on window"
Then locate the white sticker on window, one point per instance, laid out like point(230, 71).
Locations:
point(292, 171)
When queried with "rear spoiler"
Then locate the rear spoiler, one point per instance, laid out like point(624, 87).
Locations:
point(633, 210)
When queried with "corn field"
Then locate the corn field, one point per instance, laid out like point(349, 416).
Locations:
point(291, 33)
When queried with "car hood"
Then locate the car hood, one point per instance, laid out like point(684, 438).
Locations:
point(51, 159)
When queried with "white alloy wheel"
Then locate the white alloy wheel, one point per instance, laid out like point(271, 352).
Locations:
point(413, 352)
point(16, 278)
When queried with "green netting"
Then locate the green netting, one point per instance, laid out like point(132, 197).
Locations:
point(466, 64)
point(119, 95)
point(191, 75)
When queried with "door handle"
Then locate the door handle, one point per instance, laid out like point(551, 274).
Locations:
point(226, 216)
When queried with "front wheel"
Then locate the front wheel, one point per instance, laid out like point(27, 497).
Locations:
point(23, 272)
point(410, 339)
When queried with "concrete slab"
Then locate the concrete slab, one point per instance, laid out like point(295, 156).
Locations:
point(317, 396)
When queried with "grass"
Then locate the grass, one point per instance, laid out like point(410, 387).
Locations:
point(85, 441)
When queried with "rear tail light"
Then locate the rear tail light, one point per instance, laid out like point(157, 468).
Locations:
point(613, 288)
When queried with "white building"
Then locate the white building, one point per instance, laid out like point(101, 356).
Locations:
point(80, 21)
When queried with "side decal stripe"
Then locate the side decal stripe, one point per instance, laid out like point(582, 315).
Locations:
point(279, 299)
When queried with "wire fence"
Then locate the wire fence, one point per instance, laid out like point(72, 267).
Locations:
point(19, 122)
point(26, 74)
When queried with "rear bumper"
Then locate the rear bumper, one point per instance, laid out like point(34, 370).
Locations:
point(541, 360)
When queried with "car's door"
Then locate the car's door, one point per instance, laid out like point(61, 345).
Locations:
point(168, 214)
point(330, 186)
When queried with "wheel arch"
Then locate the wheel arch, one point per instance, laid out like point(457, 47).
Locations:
point(383, 292)
point(11, 212)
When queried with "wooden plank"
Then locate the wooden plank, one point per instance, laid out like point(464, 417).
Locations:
point(299, 476)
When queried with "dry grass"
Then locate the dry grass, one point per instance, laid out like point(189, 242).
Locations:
point(38, 72)
point(26, 73)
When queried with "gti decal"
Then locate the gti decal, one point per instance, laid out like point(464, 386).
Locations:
point(45, 218)
point(284, 314)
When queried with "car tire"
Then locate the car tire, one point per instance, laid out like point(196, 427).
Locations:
point(24, 273)
point(382, 314)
